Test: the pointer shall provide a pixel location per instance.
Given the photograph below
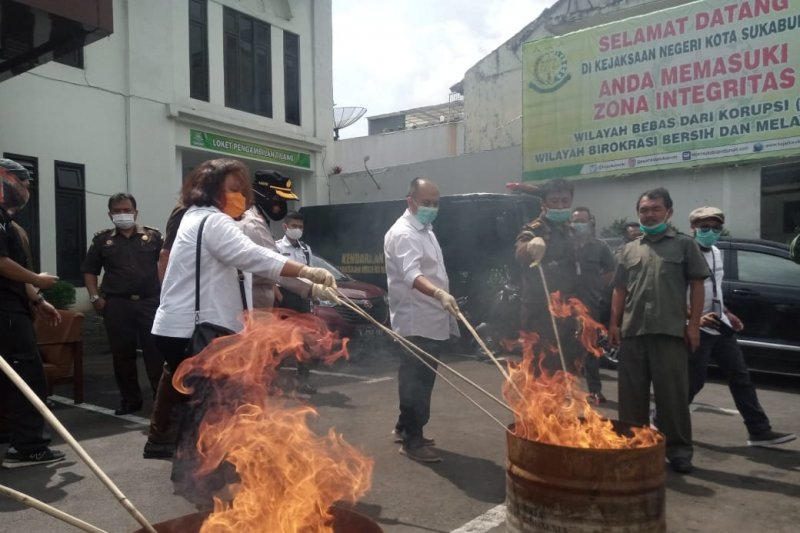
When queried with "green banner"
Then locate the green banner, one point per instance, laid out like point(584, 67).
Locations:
point(229, 145)
point(709, 82)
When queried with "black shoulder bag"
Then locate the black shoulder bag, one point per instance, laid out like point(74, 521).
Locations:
point(205, 332)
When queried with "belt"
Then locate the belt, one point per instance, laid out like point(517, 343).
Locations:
point(132, 297)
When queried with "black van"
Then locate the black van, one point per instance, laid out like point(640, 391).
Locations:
point(476, 233)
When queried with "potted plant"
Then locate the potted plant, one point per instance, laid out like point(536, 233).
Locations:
point(61, 345)
point(61, 295)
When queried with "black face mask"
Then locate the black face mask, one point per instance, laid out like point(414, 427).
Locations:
point(273, 209)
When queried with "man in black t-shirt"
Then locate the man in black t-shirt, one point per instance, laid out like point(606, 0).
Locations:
point(23, 425)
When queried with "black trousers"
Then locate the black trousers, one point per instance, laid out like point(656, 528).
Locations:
point(23, 426)
point(415, 386)
point(168, 405)
point(728, 355)
point(128, 324)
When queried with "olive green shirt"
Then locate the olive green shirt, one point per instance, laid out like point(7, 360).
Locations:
point(656, 273)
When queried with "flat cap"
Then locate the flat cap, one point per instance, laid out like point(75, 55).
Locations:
point(706, 212)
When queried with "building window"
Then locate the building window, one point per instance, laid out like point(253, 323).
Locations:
point(291, 76)
point(198, 49)
point(28, 217)
point(70, 221)
point(248, 64)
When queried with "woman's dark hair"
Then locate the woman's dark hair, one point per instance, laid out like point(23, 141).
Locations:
point(655, 194)
point(205, 185)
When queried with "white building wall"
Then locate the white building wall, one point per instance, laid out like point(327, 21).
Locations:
point(399, 147)
point(126, 116)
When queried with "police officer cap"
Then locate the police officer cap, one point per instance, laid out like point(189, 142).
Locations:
point(706, 212)
point(15, 168)
point(271, 185)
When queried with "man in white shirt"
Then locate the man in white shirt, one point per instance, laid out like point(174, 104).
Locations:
point(421, 310)
point(292, 247)
point(718, 327)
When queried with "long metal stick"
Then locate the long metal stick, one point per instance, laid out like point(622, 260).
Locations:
point(49, 509)
point(418, 352)
point(61, 430)
point(488, 352)
point(350, 304)
point(552, 318)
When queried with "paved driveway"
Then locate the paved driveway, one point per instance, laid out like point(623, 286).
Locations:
point(734, 488)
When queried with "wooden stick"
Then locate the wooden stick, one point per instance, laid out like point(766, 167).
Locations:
point(61, 430)
point(49, 509)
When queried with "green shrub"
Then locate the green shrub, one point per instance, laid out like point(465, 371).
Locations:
point(61, 295)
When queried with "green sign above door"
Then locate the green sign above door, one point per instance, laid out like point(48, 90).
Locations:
point(237, 147)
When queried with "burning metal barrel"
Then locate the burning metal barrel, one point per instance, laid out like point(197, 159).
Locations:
point(582, 490)
point(344, 521)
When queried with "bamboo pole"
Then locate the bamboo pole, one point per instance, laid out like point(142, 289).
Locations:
point(49, 509)
point(61, 430)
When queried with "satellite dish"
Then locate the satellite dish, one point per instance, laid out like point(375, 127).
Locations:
point(345, 116)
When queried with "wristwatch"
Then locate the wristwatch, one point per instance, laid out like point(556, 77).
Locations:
point(93, 298)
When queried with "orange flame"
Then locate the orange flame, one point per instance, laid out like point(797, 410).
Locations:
point(551, 407)
point(590, 329)
point(288, 476)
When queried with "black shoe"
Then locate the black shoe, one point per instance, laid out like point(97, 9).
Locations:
point(681, 466)
point(399, 436)
point(15, 459)
point(596, 398)
point(154, 450)
point(305, 388)
point(423, 454)
point(128, 410)
point(770, 438)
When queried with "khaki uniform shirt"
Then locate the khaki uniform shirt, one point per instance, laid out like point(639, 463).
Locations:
point(559, 262)
point(656, 274)
point(130, 264)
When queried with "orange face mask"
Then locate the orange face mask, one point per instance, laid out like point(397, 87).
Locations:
point(235, 204)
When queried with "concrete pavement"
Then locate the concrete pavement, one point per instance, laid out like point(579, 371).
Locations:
point(734, 488)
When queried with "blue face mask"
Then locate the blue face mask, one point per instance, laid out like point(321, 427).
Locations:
point(582, 229)
point(558, 215)
point(426, 215)
point(707, 237)
point(653, 230)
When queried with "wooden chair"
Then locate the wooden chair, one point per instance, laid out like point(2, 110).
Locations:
point(61, 348)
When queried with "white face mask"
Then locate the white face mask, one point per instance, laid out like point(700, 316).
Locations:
point(294, 233)
point(124, 220)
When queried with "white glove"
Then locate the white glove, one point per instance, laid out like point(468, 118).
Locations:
point(317, 275)
point(329, 294)
point(536, 248)
point(447, 301)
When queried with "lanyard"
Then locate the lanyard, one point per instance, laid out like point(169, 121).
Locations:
point(715, 303)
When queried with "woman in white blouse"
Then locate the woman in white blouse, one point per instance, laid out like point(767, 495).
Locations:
point(219, 189)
